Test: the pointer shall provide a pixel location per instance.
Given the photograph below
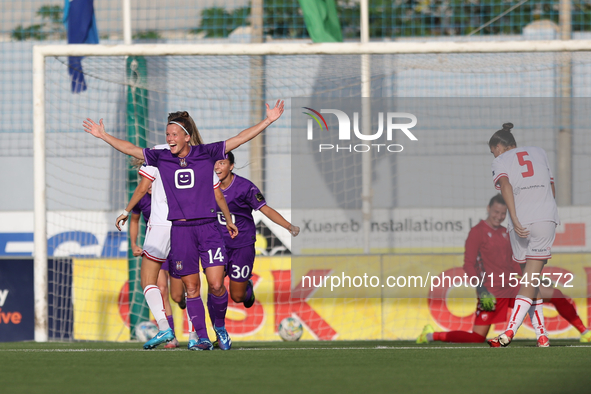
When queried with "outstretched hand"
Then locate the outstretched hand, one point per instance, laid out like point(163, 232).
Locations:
point(91, 127)
point(276, 112)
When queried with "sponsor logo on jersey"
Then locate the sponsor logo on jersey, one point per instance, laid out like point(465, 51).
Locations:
point(184, 179)
point(222, 218)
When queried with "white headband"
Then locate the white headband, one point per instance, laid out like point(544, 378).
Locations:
point(179, 125)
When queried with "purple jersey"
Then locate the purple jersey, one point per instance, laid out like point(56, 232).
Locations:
point(187, 180)
point(144, 206)
point(242, 197)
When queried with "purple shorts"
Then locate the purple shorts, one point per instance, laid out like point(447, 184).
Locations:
point(167, 266)
point(193, 240)
point(240, 262)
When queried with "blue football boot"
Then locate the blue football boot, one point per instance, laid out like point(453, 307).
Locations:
point(161, 337)
point(224, 341)
point(200, 344)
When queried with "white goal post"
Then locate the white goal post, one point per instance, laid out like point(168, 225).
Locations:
point(40, 52)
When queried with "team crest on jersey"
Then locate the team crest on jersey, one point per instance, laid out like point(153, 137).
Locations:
point(179, 265)
point(484, 316)
point(183, 162)
point(259, 197)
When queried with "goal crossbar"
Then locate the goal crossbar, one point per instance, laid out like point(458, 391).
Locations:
point(374, 48)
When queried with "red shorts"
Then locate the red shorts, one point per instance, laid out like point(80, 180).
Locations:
point(499, 315)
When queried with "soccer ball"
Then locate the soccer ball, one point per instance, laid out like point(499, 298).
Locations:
point(145, 331)
point(290, 329)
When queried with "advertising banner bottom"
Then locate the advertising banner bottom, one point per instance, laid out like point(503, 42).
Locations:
point(101, 304)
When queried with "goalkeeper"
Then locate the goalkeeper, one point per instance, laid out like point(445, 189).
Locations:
point(488, 251)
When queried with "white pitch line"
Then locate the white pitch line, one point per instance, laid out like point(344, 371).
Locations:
point(265, 349)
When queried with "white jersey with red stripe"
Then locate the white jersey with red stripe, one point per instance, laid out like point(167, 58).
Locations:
point(530, 177)
point(159, 214)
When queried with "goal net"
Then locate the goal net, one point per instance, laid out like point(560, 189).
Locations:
point(421, 201)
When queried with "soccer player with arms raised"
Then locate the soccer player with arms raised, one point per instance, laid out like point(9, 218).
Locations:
point(156, 248)
point(186, 172)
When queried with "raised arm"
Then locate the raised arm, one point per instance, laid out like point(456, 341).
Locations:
point(248, 134)
point(280, 220)
point(98, 130)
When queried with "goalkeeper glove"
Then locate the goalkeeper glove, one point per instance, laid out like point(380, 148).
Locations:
point(487, 300)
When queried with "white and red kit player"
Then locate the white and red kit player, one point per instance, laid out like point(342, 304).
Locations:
point(488, 251)
point(524, 177)
point(156, 247)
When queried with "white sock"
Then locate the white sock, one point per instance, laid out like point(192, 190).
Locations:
point(537, 317)
point(192, 332)
point(520, 309)
point(156, 305)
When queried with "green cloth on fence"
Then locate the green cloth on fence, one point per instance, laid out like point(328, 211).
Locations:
point(322, 20)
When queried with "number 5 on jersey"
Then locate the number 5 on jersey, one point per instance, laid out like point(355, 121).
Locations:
point(527, 163)
point(217, 256)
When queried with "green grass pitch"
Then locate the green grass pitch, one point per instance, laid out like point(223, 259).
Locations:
point(299, 367)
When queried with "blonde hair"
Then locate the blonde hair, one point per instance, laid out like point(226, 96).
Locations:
point(136, 163)
point(185, 119)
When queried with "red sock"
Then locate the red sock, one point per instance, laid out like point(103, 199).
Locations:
point(567, 310)
point(458, 337)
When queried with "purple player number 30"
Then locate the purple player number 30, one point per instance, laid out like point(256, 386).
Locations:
point(238, 272)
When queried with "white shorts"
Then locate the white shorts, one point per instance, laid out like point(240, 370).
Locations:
point(157, 243)
point(537, 245)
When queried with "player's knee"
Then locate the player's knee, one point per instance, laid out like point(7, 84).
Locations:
point(238, 297)
point(176, 297)
point(217, 289)
point(163, 289)
point(193, 292)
